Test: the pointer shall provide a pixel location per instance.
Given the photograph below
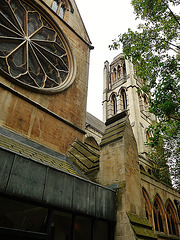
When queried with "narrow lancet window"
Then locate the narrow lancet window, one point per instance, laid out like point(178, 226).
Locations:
point(114, 104)
point(123, 99)
point(159, 215)
point(172, 219)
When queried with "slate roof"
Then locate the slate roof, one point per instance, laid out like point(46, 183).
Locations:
point(95, 123)
point(37, 155)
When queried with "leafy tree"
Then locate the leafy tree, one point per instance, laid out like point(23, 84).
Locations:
point(155, 53)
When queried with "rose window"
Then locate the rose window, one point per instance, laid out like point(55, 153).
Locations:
point(32, 51)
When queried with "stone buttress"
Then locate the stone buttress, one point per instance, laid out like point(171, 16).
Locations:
point(119, 169)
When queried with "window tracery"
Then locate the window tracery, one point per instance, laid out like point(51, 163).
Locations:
point(32, 51)
point(159, 215)
point(172, 219)
point(148, 206)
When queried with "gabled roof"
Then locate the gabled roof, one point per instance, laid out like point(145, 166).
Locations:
point(94, 123)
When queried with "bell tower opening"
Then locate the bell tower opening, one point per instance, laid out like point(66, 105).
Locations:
point(123, 92)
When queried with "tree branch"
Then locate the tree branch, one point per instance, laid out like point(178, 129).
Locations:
point(175, 117)
point(173, 14)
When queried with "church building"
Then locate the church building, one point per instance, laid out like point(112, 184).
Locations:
point(64, 174)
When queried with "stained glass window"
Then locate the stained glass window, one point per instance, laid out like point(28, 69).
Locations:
point(31, 50)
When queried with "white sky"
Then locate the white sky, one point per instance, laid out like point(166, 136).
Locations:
point(104, 21)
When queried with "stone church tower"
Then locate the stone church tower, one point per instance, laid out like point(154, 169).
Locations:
point(123, 91)
point(58, 179)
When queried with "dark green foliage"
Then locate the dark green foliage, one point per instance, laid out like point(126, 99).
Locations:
point(154, 51)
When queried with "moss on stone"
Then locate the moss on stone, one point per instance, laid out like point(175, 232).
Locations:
point(119, 194)
point(145, 232)
point(113, 133)
point(141, 227)
point(139, 220)
point(122, 184)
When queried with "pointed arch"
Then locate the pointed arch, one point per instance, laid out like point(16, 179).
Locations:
point(124, 69)
point(123, 99)
point(172, 218)
point(159, 214)
point(113, 100)
point(114, 75)
point(119, 71)
point(91, 141)
point(148, 205)
point(177, 204)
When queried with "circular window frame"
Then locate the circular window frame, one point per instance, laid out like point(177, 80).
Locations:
point(70, 56)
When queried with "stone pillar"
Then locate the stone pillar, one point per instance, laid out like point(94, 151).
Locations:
point(105, 89)
point(119, 166)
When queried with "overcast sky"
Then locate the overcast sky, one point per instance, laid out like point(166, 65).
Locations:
point(104, 21)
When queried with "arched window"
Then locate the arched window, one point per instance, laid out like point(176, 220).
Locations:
point(114, 74)
point(159, 215)
point(172, 219)
point(62, 11)
point(148, 206)
point(59, 6)
point(123, 99)
point(177, 204)
point(119, 71)
point(114, 103)
point(124, 69)
point(55, 5)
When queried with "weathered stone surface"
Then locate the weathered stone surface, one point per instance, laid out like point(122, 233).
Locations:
point(119, 164)
point(22, 116)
